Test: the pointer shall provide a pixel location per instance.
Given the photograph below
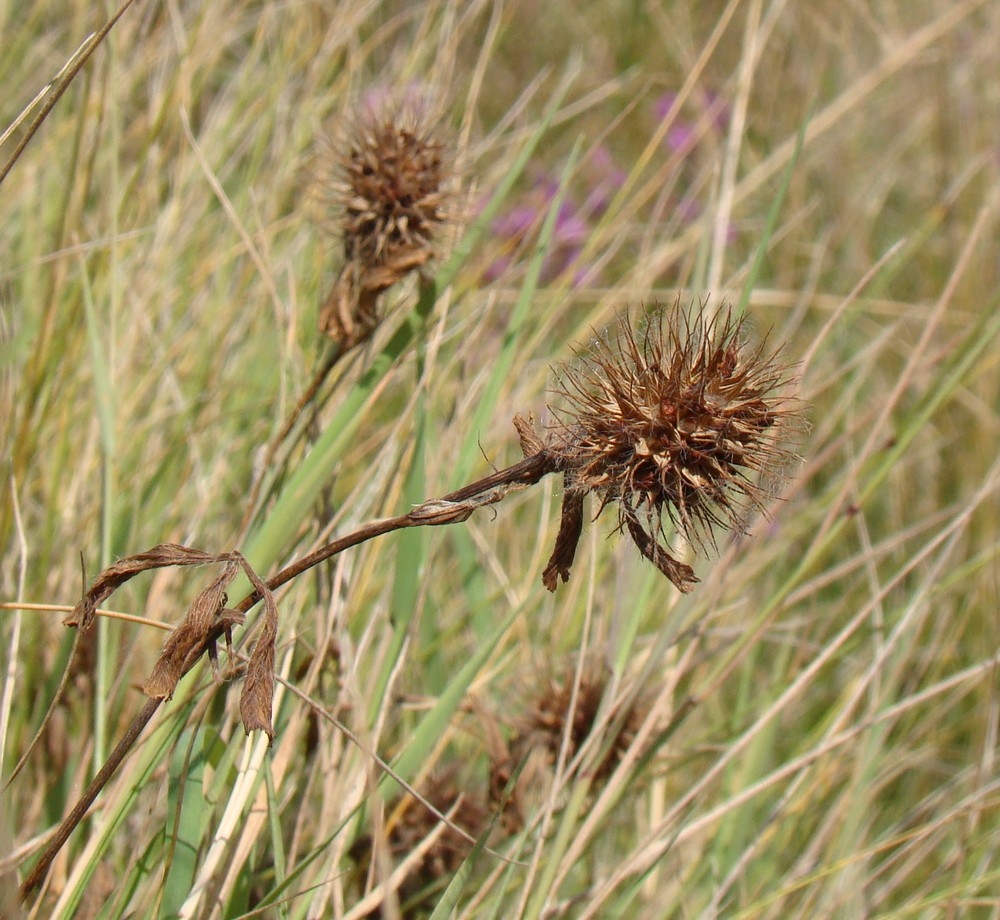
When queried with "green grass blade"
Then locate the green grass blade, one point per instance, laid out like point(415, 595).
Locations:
point(511, 344)
point(104, 399)
point(771, 222)
point(185, 810)
point(435, 722)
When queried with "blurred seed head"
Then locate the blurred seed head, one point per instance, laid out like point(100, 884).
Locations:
point(684, 421)
point(392, 191)
point(393, 172)
point(544, 722)
point(411, 823)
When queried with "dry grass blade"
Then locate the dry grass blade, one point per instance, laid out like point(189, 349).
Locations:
point(61, 87)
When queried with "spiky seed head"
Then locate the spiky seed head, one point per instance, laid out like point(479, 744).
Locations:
point(543, 724)
point(393, 173)
point(413, 823)
point(682, 420)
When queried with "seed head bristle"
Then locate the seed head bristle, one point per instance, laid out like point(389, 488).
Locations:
point(682, 421)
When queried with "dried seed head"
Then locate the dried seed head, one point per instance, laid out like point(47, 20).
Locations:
point(391, 192)
point(543, 724)
point(393, 172)
point(411, 823)
point(683, 421)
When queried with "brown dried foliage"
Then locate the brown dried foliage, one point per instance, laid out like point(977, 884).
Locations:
point(206, 619)
point(114, 576)
point(682, 421)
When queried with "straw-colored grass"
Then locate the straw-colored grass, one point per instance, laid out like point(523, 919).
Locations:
point(817, 720)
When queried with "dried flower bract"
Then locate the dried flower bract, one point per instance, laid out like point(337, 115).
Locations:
point(682, 420)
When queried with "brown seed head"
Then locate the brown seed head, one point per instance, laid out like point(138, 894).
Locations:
point(544, 723)
point(683, 421)
point(411, 823)
point(393, 172)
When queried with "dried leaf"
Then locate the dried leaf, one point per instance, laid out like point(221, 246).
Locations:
point(531, 443)
point(256, 700)
point(336, 316)
point(570, 528)
point(227, 619)
point(114, 576)
point(350, 313)
point(202, 617)
point(680, 574)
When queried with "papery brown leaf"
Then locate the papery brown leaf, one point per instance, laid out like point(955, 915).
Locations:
point(570, 528)
point(226, 620)
point(114, 576)
point(350, 314)
point(337, 315)
point(256, 699)
point(531, 443)
point(681, 575)
point(201, 618)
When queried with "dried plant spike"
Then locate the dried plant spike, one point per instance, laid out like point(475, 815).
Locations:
point(682, 421)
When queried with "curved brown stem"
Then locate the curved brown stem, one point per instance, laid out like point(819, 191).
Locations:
point(453, 508)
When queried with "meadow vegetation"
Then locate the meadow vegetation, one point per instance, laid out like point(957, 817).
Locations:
point(810, 730)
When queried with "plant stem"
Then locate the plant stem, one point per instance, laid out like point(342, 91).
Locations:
point(453, 508)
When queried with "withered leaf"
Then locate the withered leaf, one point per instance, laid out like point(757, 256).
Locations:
point(531, 443)
point(191, 634)
point(256, 699)
point(570, 528)
point(681, 575)
point(114, 576)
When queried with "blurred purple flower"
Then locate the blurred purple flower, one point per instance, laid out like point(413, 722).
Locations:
point(607, 179)
point(570, 227)
point(682, 133)
point(719, 109)
point(515, 222)
point(524, 219)
point(665, 105)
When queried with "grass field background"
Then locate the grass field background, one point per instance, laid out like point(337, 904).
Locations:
point(813, 729)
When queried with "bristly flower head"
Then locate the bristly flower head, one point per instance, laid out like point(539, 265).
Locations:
point(391, 190)
point(682, 421)
point(393, 171)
